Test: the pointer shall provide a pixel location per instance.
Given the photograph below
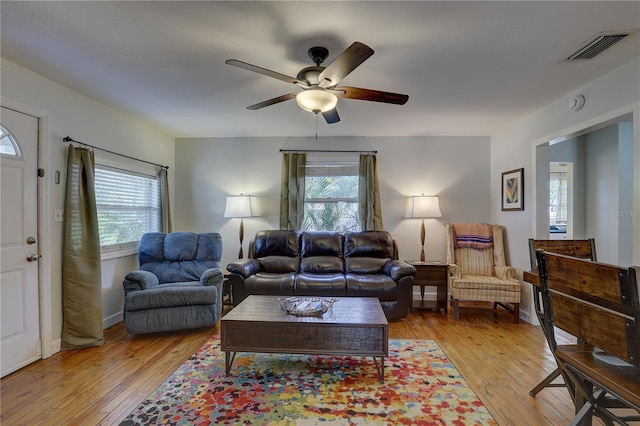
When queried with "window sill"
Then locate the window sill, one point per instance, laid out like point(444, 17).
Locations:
point(118, 253)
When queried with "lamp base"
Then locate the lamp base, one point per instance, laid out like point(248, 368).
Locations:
point(241, 233)
point(422, 239)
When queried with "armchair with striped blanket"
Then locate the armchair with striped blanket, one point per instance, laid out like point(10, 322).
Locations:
point(478, 267)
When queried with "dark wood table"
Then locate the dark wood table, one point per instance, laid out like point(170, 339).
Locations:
point(431, 274)
point(353, 326)
point(227, 294)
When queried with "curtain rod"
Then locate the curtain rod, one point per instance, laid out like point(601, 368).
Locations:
point(323, 150)
point(69, 140)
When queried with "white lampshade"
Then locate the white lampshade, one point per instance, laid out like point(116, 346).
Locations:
point(316, 100)
point(424, 206)
point(238, 206)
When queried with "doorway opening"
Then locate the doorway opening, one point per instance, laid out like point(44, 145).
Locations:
point(601, 163)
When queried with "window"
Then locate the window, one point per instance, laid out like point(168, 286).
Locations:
point(128, 206)
point(559, 197)
point(331, 192)
point(8, 144)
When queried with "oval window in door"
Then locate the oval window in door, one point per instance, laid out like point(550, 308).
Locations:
point(8, 144)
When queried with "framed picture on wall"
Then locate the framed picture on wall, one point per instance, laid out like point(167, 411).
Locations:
point(513, 190)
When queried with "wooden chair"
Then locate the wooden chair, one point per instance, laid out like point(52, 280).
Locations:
point(598, 304)
point(583, 249)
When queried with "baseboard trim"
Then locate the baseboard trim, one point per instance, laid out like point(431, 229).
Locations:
point(112, 320)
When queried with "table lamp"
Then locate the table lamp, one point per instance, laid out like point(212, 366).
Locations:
point(423, 206)
point(239, 206)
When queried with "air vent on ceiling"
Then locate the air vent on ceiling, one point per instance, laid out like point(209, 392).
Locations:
point(597, 44)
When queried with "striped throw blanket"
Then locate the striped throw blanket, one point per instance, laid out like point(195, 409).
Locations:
point(473, 235)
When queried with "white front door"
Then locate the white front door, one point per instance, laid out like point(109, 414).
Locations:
point(19, 315)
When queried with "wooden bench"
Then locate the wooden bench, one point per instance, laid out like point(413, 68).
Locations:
point(598, 304)
point(583, 249)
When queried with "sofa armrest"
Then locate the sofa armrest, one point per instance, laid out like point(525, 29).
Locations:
point(211, 277)
point(454, 271)
point(244, 267)
point(214, 277)
point(505, 272)
point(397, 269)
point(139, 280)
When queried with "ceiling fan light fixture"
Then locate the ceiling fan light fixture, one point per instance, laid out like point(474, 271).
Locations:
point(316, 100)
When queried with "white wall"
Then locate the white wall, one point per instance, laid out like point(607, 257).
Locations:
point(601, 154)
point(455, 168)
point(83, 119)
point(612, 95)
point(625, 179)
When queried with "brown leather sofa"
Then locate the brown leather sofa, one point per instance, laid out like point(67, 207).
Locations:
point(328, 264)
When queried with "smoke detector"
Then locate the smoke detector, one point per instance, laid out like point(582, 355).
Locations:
point(576, 103)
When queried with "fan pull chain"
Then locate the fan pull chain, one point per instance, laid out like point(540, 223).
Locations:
point(316, 126)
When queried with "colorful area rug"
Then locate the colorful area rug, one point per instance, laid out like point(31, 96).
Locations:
point(421, 387)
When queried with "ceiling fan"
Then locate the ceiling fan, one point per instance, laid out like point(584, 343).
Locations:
point(320, 90)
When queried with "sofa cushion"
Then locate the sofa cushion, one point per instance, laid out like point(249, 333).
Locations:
point(172, 272)
point(372, 285)
point(367, 252)
point(483, 288)
point(180, 246)
point(179, 256)
point(209, 247)
point(278, 264)
point(378, 244)
point(151, 247)
point(322, 265)
point(276, 243)
point(321, 253)
point(169, 319)
point(173, 294)
point(484, 283)
point(365, 265)
point(475, 262)
point(321, 244)
point(270, 284)
point(324, 284)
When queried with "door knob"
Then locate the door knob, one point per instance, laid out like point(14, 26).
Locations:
point(31, 240)
point(32, 256)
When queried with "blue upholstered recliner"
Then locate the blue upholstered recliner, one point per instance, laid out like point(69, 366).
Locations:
point(178, 285)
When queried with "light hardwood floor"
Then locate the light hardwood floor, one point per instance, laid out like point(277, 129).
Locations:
point(500, 360)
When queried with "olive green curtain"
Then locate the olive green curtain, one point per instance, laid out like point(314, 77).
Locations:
point(81, 274)
point(370, 210)
point(292, 190)
point(165, 210)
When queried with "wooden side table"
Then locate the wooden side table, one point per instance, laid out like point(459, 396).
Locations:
point(227, 294)
point(431, 274)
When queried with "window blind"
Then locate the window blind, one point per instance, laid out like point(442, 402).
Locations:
point(128, 205)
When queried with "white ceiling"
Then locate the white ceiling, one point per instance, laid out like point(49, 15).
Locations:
point(468, 67)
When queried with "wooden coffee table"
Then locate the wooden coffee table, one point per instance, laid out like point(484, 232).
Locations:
point(353, 326)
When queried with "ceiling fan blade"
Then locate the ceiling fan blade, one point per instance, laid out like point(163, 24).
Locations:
point(348, 60)
point(331, 116)
point(264, 71)
point(370, 95)
point(272, 101)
